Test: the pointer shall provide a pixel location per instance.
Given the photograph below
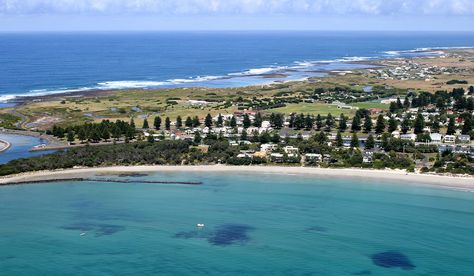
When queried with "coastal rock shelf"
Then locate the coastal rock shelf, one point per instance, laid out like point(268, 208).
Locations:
point(81, 179)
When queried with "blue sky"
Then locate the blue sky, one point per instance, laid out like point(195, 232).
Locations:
point(128, 15)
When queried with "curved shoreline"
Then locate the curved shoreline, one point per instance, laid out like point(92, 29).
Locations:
point(6, 146)
point(398, 176)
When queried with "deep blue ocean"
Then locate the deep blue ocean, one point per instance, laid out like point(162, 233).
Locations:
point(255, 224)
point(41, 63)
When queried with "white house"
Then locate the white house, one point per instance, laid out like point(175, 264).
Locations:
point(436, 138)
point(291, 150)
point(268, 147)
point(449, 139)
point(408, 137)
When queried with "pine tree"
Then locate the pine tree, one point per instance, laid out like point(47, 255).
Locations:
point(370, 144)
point(435, 124)
point(246, 121)
point(380, 125)
point(419, 124)
point(188, 122)
point(451, 126)
point(354, 141)
point(406, 124)
point(157, 123)
point(406, 103)
point(467, 127)
point(145, 124)
point(367, 124)
point(208, 121)
point(196, 121)
point(339, 141)
point(342, 123)
point(81, 135)
point(167, 123)
point(233, 122)
point(356, 123)
point(392, 124)
point(132, 123)
point(329, 122)
point(308, 122)
point(197, 137)
point(319, 122)
point(220, 121)
point(258, 120)
point(244, 135)
point(179, 122)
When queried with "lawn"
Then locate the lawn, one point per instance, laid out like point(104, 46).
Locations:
point(313, 108)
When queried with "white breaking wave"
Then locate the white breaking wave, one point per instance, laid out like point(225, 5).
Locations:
point(108, 85)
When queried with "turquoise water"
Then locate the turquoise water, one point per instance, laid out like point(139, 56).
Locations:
point(261, 224)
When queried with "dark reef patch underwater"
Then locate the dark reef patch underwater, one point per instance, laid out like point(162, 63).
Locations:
point(223, 235)
point(392, 259)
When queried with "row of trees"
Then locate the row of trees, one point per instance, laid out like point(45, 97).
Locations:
point(95, 132)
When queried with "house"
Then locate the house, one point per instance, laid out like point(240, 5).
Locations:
point(367, 157)
point(449, 139)
point(396, 134)
point(376, 110)
point(291, 150)
point(277, 157)
point(408, 137)
point(464, 139)
point(268, 147)
point(313, 157)
point(436, 138)
point(260, 154)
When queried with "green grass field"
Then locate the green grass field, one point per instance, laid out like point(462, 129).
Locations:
point(314, 109)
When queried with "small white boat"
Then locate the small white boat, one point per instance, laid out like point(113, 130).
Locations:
point(200, 225)
point(82, 234)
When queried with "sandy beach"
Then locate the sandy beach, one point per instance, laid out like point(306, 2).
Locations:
point(394, 176)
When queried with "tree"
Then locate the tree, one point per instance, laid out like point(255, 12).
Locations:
point(246, 121)
point(467, 127)
point(367, 124)
point(406, 125)
point(329, 122)
point(308, 122)
point(393, 107)
point(399, 104)
point(392, 124)
point(157, 123)
point(370, 144)
point(451, 126)
point(145, 124)
point(321, 138)
point(70, 136)
point(380, 125)
point(150, 139)
point(196, 121)
point(167, 123)
point(406, 103)
point(82, 135)
point(179, 122)
point(132, 123)
point(339, 141)
point(354, 141)
point(435, 124)
point(258, 120)
point(319, 122)
point(188, 122)
point(276, 138)
point(419, 124)
point(233, 122)
point(220, 121)
point(342, 123)
point(197, 137)
point(356, 123)
point(243, 135)
point(208, 121)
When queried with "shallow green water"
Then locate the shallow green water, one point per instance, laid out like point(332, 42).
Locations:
point(262, 224)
